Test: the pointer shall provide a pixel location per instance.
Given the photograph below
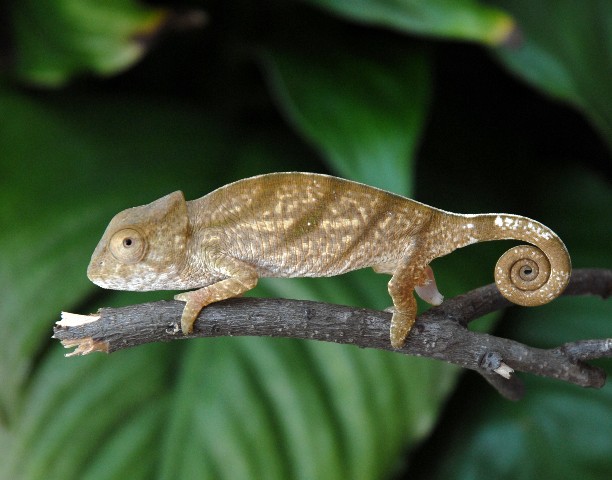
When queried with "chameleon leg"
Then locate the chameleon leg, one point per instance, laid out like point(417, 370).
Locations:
point(242, 277)
point(401, 287)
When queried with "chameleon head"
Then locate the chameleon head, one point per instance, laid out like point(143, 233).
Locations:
point(143, 248)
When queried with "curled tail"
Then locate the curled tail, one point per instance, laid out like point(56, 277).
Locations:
point(527, 275)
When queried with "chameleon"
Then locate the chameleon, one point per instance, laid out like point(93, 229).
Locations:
point(313, 225)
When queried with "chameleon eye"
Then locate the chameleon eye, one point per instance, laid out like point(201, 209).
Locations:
point(128, 245)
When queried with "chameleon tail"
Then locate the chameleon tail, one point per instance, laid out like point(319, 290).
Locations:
point(527, 275)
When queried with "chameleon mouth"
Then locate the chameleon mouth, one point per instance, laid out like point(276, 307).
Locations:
point(94, 273)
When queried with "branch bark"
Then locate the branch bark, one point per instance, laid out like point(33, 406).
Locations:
point(440, 332)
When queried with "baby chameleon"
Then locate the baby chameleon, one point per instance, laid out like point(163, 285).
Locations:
point(311, 225)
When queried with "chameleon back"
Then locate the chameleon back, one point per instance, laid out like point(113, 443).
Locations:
point(308, 224)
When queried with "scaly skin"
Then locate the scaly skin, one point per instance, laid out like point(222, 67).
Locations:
point(311, 225)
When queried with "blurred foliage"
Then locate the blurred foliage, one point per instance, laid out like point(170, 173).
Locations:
point(566, 53)
point(57, 39)
point(456, 19)
point(387, 93)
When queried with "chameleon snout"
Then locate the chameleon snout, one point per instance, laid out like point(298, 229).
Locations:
point(94, 272)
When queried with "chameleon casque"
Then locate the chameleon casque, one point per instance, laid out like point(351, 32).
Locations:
point(312, 225)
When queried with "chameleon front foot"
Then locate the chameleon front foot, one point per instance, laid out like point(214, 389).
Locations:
point(193, 307)
point(405, 307)
point(245, 279)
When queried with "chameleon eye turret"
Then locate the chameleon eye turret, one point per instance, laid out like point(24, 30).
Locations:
point(128, 245)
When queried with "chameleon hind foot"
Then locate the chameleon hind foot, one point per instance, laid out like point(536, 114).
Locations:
point(401, 290)
point(404, 316)
point(401, 324)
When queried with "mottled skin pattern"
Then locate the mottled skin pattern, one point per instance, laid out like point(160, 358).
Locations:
point(311, 225)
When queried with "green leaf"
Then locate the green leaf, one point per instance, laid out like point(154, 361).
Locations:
point(58, 39)
point(566, 51)
point(362, 105)
point(267, 407)
point(457, 19)
point(239, 408)
point(557, 430)
point(65, 172)
point(77, 415)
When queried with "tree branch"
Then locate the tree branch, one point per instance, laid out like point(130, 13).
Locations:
point(440, 332)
